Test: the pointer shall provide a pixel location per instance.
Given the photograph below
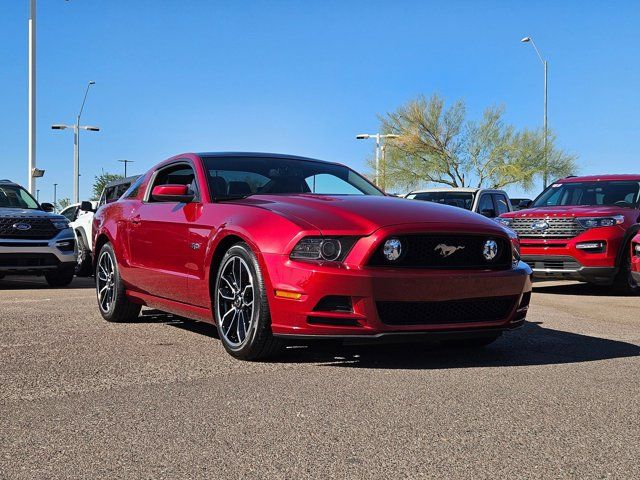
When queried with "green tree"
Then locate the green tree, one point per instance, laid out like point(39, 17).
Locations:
point(62, 204)
point(100, 181)
point(438, 145)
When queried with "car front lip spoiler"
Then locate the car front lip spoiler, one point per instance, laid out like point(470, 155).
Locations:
point(392, 337)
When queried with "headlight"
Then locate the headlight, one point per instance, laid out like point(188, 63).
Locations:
point(60, 224)
point(595, 222)
point(505, 222)
point(515, 251)
point(392, 249)
point(318, 248)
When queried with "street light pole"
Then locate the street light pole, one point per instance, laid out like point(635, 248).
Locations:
point(32, 96)
point(379, 151)
point(55, 200)
point(125, 165)
point(76, 148)
point(545, 64)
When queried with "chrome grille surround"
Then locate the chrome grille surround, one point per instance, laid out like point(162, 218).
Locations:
point(558, 227)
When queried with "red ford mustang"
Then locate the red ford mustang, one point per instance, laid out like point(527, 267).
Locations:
point(273, 247)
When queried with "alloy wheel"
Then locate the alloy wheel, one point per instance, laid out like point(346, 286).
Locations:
point(105, 281)
point(235, 301)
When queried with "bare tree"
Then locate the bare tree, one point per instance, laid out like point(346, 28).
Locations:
point(440, 146)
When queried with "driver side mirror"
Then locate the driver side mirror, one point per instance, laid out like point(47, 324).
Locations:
point(488, 212)
point(86, 206)
point(525, 203)
point(172, 193)
point(47, 207)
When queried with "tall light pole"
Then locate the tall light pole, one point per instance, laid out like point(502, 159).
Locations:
point(378, 137)
point(545, 176)
point(55, 200)
point(125, 165)
point(38, 195)
point(32, 96)
point(76, 144)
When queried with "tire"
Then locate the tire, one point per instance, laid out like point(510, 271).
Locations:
point(84, 265)
point(471, 343)
point(60, 277)
point(113, 304)
point(241, 308)
point(624, 282)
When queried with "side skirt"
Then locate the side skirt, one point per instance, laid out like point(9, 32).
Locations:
point(171, 306)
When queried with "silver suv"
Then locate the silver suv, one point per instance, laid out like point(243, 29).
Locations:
point(32, 239)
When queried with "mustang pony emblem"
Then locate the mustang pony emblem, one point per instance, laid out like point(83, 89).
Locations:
point(446, 250)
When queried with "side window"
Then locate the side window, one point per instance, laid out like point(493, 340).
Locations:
point(485, 206)
point(134, 189)
point(181, 174)
point(501, 203)
point(70, 213)
point(111, 194)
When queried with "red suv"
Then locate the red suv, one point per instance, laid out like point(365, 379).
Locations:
point(581, 228)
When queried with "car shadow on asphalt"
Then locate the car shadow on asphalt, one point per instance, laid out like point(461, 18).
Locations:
point(587, 289)
point(25, 282)
point(533, 344)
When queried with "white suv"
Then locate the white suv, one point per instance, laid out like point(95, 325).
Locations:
point(487, 202)
point(81, 217)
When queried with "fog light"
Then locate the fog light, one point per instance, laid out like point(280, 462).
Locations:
point(591, 246)
point(637, 248)
point(392, 249)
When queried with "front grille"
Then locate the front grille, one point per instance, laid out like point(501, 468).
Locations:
point(564, 227)
point(28, 260)
point(448, 312)
point(568, 265)
point(447, 252)
point(41, 228)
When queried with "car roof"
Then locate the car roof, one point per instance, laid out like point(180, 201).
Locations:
point(6, 181)
point(261, 155)
point(599, 178)
point(120, 181)
point(458, 189)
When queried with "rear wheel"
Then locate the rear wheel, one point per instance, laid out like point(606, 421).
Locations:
point(241, 308)
point(84, 263)
point(60, 277)
point(624, 282)
point(113, 304)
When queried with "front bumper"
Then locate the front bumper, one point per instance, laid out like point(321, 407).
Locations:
point(366, 286)
point(635, 268)
point(562, 259)
point(568, 268)
point(21, 256)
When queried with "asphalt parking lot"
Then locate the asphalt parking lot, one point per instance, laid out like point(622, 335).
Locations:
point(82, 398)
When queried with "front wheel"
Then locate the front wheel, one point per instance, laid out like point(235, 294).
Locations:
point(624, 282)
point(241, 308)
point(61, 277)
point(84, 262)
point(113, 304)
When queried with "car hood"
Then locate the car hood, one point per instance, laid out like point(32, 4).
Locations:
point(364, 214)
point(577, 211)
point(27, 213)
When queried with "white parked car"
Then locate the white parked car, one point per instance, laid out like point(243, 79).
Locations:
point(80, 216)
point(487, 202)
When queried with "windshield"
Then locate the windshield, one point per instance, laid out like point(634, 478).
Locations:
point(614, 193)
point(13, 196)
point(457, 199)
point(237, 177)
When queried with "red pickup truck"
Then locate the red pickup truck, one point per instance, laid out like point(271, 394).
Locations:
point(582, 228)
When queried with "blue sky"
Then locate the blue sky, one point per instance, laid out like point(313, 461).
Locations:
point(304, 77)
